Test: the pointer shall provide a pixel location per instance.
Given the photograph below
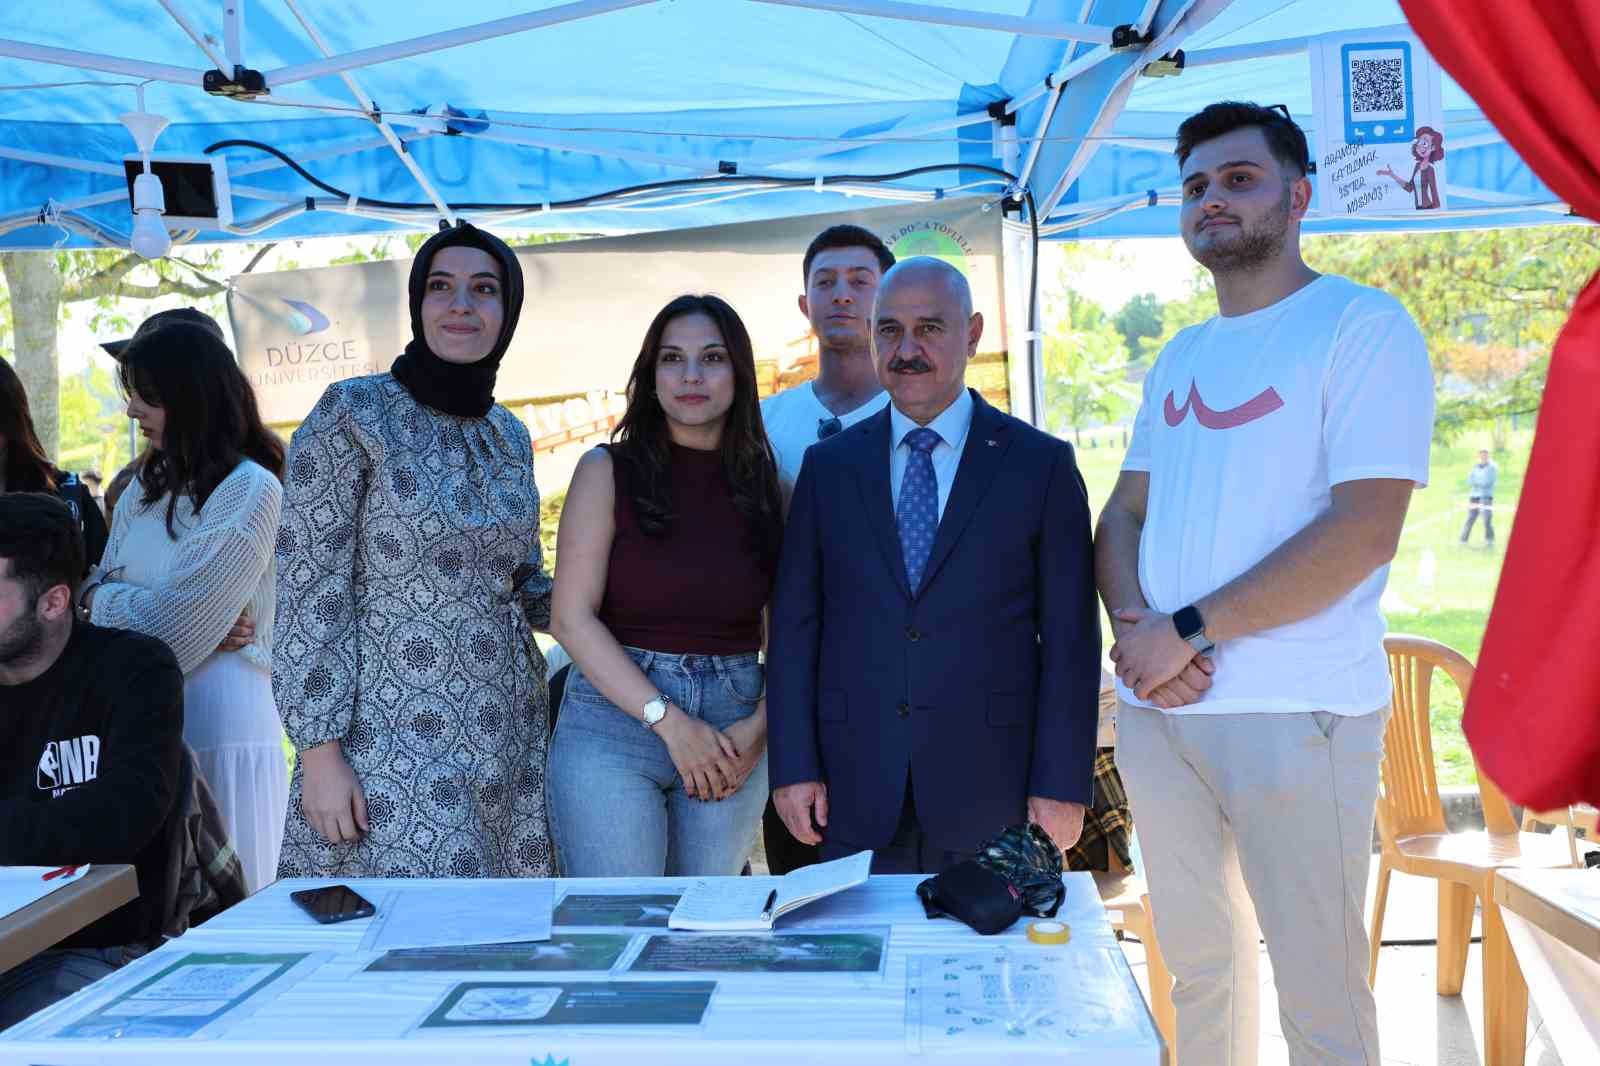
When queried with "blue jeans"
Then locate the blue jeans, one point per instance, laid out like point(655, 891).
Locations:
point(617, 804)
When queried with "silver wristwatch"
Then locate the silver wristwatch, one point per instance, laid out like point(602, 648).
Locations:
point(654, 711)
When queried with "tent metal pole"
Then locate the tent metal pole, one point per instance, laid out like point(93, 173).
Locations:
point(371, 109)
point(1208, 57)
point(1287, 46)
point(948, 16)
point(233, 32)
point(1086, 62)
point(1061, 79)
point(1187, 13)
point(197, 37)
point(134, 68)
point(436, 42)
point(22, 155)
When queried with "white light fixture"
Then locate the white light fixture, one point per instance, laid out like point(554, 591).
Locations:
point(150, 238)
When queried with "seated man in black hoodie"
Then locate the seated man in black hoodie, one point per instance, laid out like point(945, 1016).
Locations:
point(93, 727)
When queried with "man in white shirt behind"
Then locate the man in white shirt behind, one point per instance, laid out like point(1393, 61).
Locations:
point(1242, 555)
point(841, 270)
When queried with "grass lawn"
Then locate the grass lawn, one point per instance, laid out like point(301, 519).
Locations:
point(1437, 588)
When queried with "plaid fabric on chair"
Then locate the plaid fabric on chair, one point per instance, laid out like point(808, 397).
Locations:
point(1107, 825)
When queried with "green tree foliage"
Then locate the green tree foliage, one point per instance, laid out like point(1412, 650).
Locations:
point(1490, 304)
point(1139, 318)
point(1085, 358)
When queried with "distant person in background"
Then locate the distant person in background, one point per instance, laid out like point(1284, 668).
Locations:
point(24, 467)
point(669, 543)
point(90, 767)
point(411, 581)
point(841, 271)
point(191, 551)
point(120, 480)
point(1480, 497)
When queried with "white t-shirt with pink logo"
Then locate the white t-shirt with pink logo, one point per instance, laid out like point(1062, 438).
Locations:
point(1246, 425)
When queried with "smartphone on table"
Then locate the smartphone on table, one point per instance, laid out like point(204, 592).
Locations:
point(334, 903)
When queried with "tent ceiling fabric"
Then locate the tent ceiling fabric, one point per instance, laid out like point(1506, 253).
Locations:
point(617, 93)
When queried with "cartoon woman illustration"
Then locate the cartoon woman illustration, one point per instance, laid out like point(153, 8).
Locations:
point(1427, 149)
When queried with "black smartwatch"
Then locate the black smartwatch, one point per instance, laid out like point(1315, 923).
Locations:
point(1192, 628)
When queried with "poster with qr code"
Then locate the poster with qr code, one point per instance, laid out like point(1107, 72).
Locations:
point(196, 996)
point(1380, 132)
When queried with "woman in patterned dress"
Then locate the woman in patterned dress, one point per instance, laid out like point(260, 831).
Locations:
point(410, 581)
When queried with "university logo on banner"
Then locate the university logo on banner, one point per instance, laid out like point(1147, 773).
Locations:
point(1380, 131)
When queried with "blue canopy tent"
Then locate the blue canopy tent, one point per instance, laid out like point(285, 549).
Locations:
point(360, 116)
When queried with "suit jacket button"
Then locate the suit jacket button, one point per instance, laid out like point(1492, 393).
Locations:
point(912, 634)
point(905, 710)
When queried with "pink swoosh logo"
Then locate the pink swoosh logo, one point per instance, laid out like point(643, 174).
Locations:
point(1260, 406)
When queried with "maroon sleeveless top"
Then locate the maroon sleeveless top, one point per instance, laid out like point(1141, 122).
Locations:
point(700, 589)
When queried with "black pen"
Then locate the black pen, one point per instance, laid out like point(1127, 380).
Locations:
point(766, 911)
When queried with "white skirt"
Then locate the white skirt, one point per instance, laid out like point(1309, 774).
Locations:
point(231, 723)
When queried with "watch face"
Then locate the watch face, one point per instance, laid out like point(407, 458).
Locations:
point(655, 710)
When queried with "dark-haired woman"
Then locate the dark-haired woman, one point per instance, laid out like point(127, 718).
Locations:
point(668, 546)
point(25, 468)
point(191, 551)
point(410, 583)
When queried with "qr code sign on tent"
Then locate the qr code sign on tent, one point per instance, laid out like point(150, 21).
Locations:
point(1377, 86)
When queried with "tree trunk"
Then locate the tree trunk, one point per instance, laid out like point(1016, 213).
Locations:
point(35, 287)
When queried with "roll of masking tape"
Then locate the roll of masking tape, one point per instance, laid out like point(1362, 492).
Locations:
point(1049, 932)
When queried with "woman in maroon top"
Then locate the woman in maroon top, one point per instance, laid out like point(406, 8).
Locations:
point(668, 547)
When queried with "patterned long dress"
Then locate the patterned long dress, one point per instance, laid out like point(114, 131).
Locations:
point(410, 578)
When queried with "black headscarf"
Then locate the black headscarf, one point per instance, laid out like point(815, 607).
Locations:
point(466, 390)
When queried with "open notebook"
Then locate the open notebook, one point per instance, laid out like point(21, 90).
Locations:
point(757, 902)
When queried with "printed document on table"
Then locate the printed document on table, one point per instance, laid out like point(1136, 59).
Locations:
point(199, 995)
point(461, 913)
point(21, 886)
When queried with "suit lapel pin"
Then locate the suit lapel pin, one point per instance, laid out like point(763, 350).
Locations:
point(991, 442)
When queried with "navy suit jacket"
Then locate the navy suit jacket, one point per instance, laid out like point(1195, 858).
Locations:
point(984, 685)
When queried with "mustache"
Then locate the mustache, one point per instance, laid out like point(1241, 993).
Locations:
point(916, 364)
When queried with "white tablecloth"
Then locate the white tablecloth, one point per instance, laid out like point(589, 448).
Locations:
point(336, 1013)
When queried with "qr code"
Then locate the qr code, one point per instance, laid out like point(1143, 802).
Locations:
point(1377, 86)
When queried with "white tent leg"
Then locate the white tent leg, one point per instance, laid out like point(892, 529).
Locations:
point(1024, 369)
point(436, 42)
point(949, 16)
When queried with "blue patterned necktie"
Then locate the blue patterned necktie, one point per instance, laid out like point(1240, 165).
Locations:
point(918, 512)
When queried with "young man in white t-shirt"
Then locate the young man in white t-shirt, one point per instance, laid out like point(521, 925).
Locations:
point(841, 270)
point(1242, 555)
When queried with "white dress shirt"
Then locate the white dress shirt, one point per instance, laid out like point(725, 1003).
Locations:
point(952, 425)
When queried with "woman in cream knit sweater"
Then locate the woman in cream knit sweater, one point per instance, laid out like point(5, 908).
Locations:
point(190, 561)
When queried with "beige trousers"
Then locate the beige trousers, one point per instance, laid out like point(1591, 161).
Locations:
point(1259, 817)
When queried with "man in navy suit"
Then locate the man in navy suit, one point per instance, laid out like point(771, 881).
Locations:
point(934, 668)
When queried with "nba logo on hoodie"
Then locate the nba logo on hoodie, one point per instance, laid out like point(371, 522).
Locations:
point(66, 764)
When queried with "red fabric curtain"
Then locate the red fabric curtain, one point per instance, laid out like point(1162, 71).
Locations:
point(1533, 716)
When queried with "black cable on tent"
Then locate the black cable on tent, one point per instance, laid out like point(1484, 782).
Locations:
point(721, 179)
